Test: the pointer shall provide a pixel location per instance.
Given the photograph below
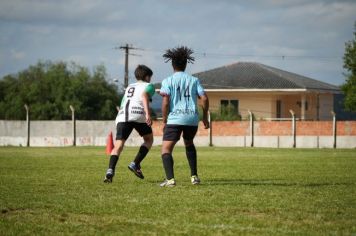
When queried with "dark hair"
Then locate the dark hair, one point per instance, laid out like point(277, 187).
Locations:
point(142, 71)
point(179, 56)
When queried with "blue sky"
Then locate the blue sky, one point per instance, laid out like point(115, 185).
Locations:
point(310, 34)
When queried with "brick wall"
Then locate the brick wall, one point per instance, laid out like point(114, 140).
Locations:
point(272, 128)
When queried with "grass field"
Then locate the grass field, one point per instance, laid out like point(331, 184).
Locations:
point(49, 191)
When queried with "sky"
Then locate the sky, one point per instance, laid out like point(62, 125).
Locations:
point(301, 36)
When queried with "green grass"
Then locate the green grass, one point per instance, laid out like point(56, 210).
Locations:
point(46, 191)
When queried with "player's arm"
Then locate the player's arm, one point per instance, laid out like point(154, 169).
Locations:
point(205, 101)
point(146, 107)
point(165, 93)
point(205, 104)
point(146, 97)
point(165, 108)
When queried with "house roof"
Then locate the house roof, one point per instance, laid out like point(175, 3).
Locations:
point(251, 75)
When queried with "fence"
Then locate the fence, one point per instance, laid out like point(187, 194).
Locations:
point(280, 134)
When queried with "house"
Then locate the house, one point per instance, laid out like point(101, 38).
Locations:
point(268, 92)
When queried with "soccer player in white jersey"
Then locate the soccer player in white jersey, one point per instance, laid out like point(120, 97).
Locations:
point(134, 114)
point(180, 92)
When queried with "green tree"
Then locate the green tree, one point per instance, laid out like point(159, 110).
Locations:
point(49, 88)
point(349, 87)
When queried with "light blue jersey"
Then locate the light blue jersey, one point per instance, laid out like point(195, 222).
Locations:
point(183, 90)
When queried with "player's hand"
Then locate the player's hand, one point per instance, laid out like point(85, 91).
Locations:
point(148, 120)
point(206, 123)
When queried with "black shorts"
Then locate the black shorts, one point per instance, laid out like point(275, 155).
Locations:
point(173, 132)
point(124, 129)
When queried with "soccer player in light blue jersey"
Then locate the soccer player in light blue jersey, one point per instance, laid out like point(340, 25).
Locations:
point(180, 92)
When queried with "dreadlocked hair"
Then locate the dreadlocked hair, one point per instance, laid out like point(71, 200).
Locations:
point(179, 56)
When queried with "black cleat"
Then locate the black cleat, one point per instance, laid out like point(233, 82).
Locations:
point(137, 171)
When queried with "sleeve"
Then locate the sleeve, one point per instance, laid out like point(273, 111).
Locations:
point(165, 89)
point(150, 90)
point(200, 89)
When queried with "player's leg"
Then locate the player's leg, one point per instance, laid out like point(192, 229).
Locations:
point(170, 137)
point(168, 163)
point(114, 157)
point(123, 131)
point(146, 132)
point(144, 149)
point(189, 133)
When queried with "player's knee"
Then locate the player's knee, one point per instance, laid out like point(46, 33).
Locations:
point(190, 148)
point(188, 143)
point(115, 151)
point(165, 150)
point(148, 141)
point(120, 148)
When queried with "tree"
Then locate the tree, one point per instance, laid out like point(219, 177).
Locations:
point(49, 88)
point(349, 87)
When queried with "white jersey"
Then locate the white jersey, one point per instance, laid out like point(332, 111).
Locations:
point(131, 108)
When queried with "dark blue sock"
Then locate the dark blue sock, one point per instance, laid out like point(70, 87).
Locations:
point(191, 153)
point(113, 161)
point(168, 164)
point(141, 155)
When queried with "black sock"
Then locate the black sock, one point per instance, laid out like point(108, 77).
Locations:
point(141, 155)
point(192, 159)
point(113, 161)
point(168, 163)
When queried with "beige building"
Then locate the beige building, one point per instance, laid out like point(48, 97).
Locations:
point(268, 92)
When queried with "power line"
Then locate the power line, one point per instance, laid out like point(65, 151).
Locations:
point(277, 56)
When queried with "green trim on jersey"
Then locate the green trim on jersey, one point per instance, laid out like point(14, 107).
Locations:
point(150, 90)
point(122, 101)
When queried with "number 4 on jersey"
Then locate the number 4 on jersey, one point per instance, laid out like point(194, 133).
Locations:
point(186, 92)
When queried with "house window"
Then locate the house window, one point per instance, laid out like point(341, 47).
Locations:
point(234, 106)
point(278, 108)
point(229, 106)
point(299, 103)
point(224, 103)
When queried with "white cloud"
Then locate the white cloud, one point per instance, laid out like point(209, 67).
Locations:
point(87, 30)
point(17, 55)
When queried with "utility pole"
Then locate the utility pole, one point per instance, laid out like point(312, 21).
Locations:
point(127, 49)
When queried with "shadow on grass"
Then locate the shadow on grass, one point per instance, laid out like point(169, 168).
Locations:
point(269, 182)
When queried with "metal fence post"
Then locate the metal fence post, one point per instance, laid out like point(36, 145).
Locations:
point(73, 125)
point(251, 128)
point(27, 108)
point(334, 128)
point(210, 130)
point(293, 127)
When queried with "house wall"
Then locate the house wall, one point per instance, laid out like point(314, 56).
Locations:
point(263, 105)
point(326, 106)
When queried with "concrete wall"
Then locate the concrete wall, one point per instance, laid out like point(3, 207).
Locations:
point(310, 134)
point(55, 133)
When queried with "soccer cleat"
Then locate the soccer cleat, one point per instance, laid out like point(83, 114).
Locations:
point(136, 170)
point(195, 180)
point(168, 183)
point(109, 176)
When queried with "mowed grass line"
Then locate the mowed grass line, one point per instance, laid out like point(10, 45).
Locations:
point(50, 191)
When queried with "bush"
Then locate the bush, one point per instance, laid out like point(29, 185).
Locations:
point(227, 113)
